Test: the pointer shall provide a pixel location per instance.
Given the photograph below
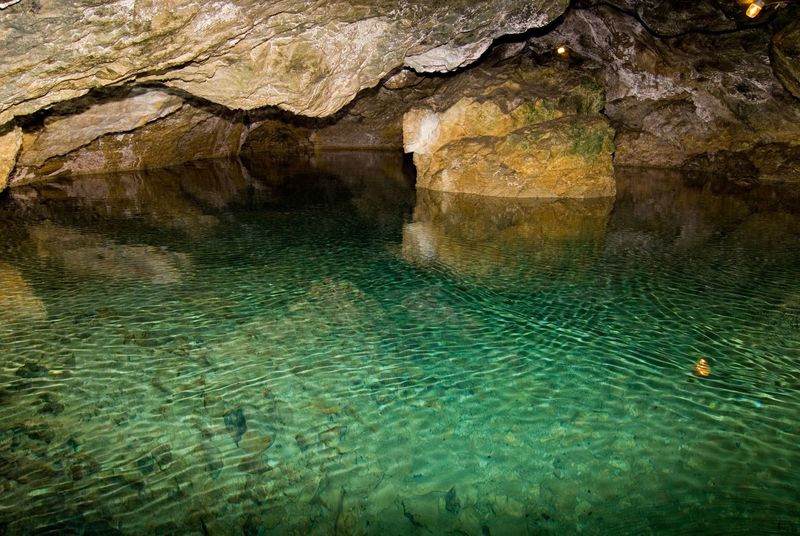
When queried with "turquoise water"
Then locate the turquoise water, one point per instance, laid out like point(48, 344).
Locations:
point(318, 349)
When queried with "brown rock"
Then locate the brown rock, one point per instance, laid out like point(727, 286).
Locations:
point(786, 57)
point(671, 100)
point(569, 157)
point(514, 131)
point(244, 54)
point(253, 442)
point(65, 132)
point(143, 130)
point(10, 144)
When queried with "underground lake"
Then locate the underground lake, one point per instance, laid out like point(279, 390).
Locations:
point(320, 349)
point(399, 267)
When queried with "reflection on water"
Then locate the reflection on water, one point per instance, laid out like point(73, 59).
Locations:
point(18, 301)
point(88, 254)
point(308, 348)
point(505, 239)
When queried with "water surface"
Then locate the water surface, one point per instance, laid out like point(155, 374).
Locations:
point(318, 349)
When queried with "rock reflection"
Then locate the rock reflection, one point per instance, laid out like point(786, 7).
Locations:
point(502, 239)
point(668, 211)
point(177, 198)
point(18, 301)
point(378, 184)
point(92, 254)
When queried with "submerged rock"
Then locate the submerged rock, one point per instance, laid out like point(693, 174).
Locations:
point(32, 370)
point(235, 424)
point(451, 502)
point(518, 130)
point(96, 255)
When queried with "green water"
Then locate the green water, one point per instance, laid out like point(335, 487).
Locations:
point(319, 350)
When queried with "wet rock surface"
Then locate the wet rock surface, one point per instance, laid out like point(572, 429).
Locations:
point(10, 144)
point(786, 57)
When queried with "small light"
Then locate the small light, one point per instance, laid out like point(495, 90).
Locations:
point(561, 50)
point(702, 368)
point(754, 9)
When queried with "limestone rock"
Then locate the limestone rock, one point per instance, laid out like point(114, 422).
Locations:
point(519, 131)
point(137, 131)
point(376, 120)
point(69, 130)
point(568, 157)
point(372, 121)
point(10, 144)
point(671, 100)
point(668, 18)
point(278, 139)
point(307, 58)
point(786, 57)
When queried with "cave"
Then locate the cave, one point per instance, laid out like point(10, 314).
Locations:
point(399, 267)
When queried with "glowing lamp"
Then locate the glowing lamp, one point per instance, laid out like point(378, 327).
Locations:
point(561, 50)
point(702, 368)
point(754, 9)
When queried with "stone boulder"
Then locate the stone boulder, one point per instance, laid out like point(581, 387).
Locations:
point(516, 130)
point(308, 58)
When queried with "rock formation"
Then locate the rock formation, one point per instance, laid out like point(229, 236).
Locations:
point(308, 58)
point(136, 130)
point(124, 84)
point(675, 102)
point(10, 144)
point(519, 131)
point(786, 57)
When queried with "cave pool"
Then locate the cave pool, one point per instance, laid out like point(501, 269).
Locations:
point(285, 348)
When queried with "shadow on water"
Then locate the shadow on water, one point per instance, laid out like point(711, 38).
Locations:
point(312, 347)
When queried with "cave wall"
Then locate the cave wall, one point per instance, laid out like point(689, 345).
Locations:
point(310, 58)
point(137, 128)
point(129, 84)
